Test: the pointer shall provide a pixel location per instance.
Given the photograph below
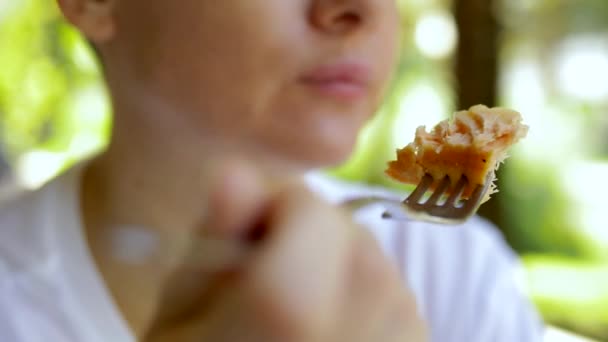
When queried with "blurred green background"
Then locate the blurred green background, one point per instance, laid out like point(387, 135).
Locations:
point(547, 59)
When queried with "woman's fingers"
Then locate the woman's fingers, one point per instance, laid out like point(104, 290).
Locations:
point(299, 273)
point(321, 277)
point(379, 297)
point(219, 248)
point(238, 199)
point(236, 208)
point(313, 276)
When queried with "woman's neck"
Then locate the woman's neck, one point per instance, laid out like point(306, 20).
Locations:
point(158, 181)
point(141, 181)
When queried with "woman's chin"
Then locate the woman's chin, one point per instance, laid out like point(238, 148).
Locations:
point(325, 155)
point(308, 154)
point(325, 142)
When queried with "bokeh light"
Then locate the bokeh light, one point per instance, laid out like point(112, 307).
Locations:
point(436, 35)
point(423, 105)
point(582, 68)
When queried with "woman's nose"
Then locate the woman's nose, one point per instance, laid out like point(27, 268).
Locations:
point(344, 16)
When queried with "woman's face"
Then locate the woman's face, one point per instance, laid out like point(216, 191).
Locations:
point(293, 78)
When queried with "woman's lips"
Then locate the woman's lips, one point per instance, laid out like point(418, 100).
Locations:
point(343, 81)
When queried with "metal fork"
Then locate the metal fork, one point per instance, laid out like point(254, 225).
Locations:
point(137, 245)
point(454, 210)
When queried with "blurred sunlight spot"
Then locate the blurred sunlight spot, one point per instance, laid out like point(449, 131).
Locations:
point(84, 145)
point(582, 68)
point(521, 280)
point(524, 5)
point(90, 112)
point(436, 35)
point(554, 135)
point(523, 84)
point(524, 92)
point(91, 106)
point(423, 105)
point(583, 283)
point(6, 7)
point(586, 184)
point(34, 168)
point(553, 334)
point(83, 57)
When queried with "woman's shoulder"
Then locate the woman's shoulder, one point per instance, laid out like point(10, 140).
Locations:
point(26, 221)
point(421, 244)
point(464, 277)
point(335, 190)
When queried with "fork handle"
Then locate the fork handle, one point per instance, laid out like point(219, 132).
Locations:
point(138, 246)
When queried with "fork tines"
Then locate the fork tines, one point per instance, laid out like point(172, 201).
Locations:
point(453, 209)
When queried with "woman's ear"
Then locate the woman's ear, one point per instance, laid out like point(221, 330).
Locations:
point(93, 17)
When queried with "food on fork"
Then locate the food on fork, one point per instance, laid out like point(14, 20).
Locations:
point(472, 143)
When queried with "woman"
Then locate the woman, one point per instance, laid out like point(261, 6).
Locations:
point(220, 110)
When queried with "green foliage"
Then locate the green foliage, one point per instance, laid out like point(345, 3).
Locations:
point(538, 222)
point(570, 292)
point(46, 66)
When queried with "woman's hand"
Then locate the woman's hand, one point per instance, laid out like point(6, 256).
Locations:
point(313, 276)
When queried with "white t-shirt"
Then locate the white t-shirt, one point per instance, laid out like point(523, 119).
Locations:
point(50, 290)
